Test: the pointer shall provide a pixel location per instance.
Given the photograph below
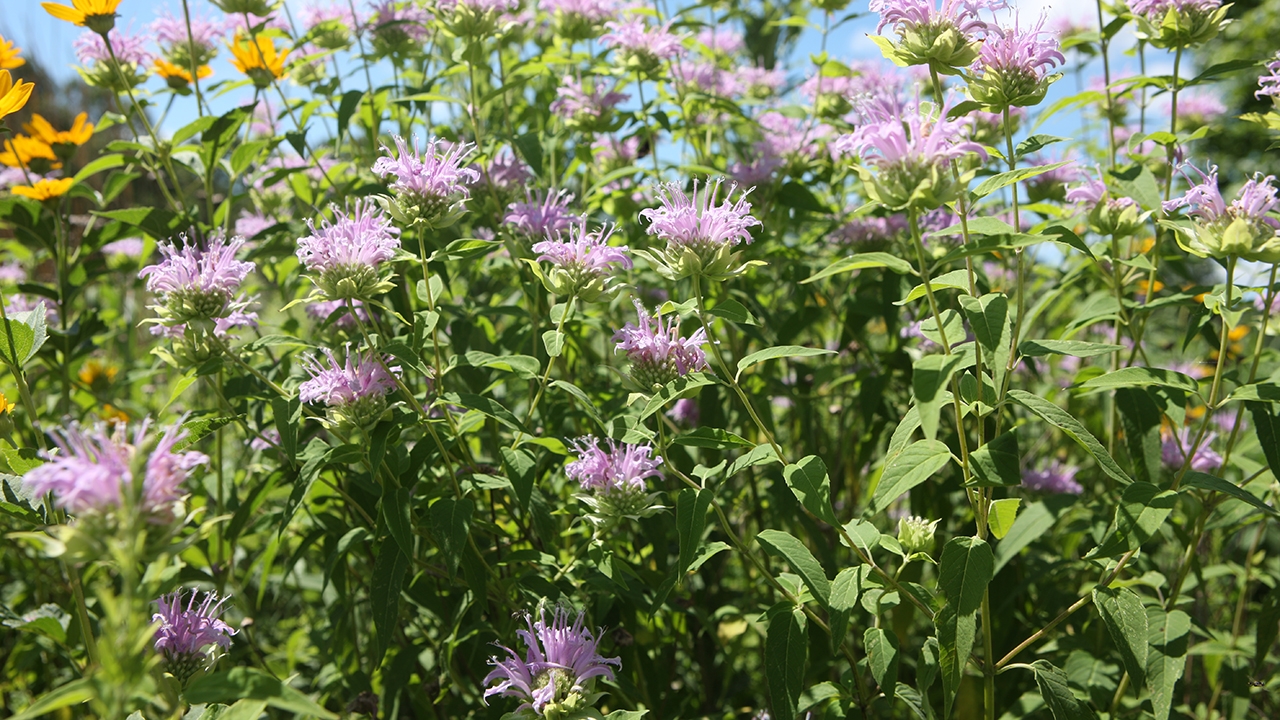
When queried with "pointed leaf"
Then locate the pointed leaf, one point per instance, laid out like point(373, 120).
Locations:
point(1057, 693)
point(1126, 619)
point(786, 546)
point(1001, 516)
point(882, 657)
point(1074, 429)
point(966, 567)
point(917, 463)
point(929, 378)
point(1168, 640)
point(1142, 510)
point(786, 650)
point(809, 482)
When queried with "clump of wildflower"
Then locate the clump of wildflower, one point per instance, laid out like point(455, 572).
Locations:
point(1270, 84)
point(99, 71)
point(1173, 452)
point(355, 391)
point(657, 353)
point(541, 216)
point(585, 105)
point(911, 150)
point(430, 187)
point(1246, 228)
point(700, 233)
point(946, 36)
point(1117, 216)
point(1056, 477)
point(186, 633)
point(185, 49)
point(95, 468)
point(579, 19)
point(1178, 23)
point(331, 26)
point(399, 28)
point(1013, 67)
point(506, 172)
point(643, 48)
point(1196, 109)
point(197, 285)
point(614, 479)
point(581, 262)
point(561, 661)
point(347, 254)
point(915, 534)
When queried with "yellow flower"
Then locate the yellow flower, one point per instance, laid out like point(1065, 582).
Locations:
point(22, 151)
point(41, 129)
point(5, 405)
point(97, 374)
point(13, 97)
point(9, 55)
point(45, 189)
point(113, 414)
point(177, 76)
point(97, 15)
point(257, 58)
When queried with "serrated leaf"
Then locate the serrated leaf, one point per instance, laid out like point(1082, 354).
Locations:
point(1167, 638)
point(1141, 377)
point(1074, 429)
point(1009, 177)
point(732, 310)
point(450, 524)
point(673, 390)
point(691, 519)
point(964, 570)
point(882, 657)
point(787, 547)
point(1126, 619)
point(915, 464)
point(955, 645)
point(1142, 510)
point(1205, 481)
point(1057, 694)
point(845, 590)
point(992, 327)
point(999, 462)
point(397, 513)
point(811, 485)
point(786, 651)
point(1141, 419)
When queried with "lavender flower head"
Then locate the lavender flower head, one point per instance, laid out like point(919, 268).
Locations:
point(354, 391)
point(700, 233)
point(623, 468)
point(186, 632)
point(722, 40)
point(866, 234)
point(129, 49)
point(431, 187)
point(911, 150)
point(561, 660)
point(1014, 65)
point(506, 171)
point(643, 48)
point(171, 33)
point(93, 469)
point(541, 216)
point(331, 26)
point(197, 284)
point(578, 19)
point(1056, 477)
point(1173, 451)
point(1177, 23)
point(582, 262)
point(126, 247)
point(685, 412)
point(945, 36)
point(1118, 216)
point(585, 104)
point(399, 28)
point(1247, 227)
point(346, 254)
point(322, 311)
point(657, 353)
point(1270, 84)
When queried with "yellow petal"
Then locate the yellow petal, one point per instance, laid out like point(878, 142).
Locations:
point(16, 99)
point(62, 12)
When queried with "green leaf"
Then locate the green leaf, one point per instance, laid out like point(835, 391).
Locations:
point(955, 645)
point(346, 108)
point(1074, 348)
point(965, 568)
point(1004, 179)
point(860, 262)
point(882, 657)
point(1268, 627)
point(1126, 619)
point(917, 463)
point(691, 519)
point(389, 570)
point(243, 683)
point(1168, 645)
point(999, 462)
point(795, 195)
point(1060, 419)
point(397, 512)
point(1136, 182)
point(1142, 510)
point(1001, 517)
point(1141, 419)
point(992, 327)
point(156, 222)
point(929, 378)
point(1267, 426)
point(954, 280)
point(242, 710)
point(673, 390)
point(845, 590)
point(16, 341)
point(530, 147)
point(106, 162)
point(786, 649)
point(810, 484)
point(787, 547)
point(73, 693)
point(1204, 481)
point(1141, 377)
point(450, 524)
point(713, 438)
point(733, 311)
point(711, 550)
point(1057, 694)
point(487, 406)
point(520, 468)
point(1035, 143)
point(1270, 392)
point(782, 351)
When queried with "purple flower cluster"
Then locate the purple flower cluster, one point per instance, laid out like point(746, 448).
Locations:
point(396, 23)
point(90, 49)
point(93, 468)
point(539, 215)
point(185, 632)
point(657, 353)
point(506, 171)
point(323, 310)
point(430, 186)
point(898, 137)
point(648, 45)
point(336, 10)
point(585, 102)
point(868, 233)
point(347, 252)
point(1173, 451)
point(914, 15)
point(561, 659)
point(698, 223)
point(722, 40)
point(583, 253)
point(1155, 10)
point(1056, 477)
point(344, 384)
point(1255, 201)
point(623, 468)
point(171, 31)
point(1270, 84)
point(196, 283)
point(1013, 66)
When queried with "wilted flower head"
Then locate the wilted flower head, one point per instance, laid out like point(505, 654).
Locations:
point(93, 468)
point(1177, 23)
point(431, 187)
point(1270, 84)
point(354, 391)
point(1246, 227)
point(1173, 450)
point(346, 253)
point(945, 36)
point(699, 232)
point(581, 261)
point(643, 48)
point(197, 284)
point(560, 661)
point(1013, 67)
point(657, 353)
point(911, 148)
point(186, 632)
point(541, 215)
point(1055, 477)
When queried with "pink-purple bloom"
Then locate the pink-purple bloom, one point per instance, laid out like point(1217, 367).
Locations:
point(657, 353)
point(1155, 10)
point(431, 186)
point(171, 31)
point(506, 171)
point(648, 45)
point(870, 232)
point(622, 468)
point(585, 102)
point(560, 661)
point(582, 261)
point(1270, 84)
point(1173, 451)
point(360, 236)
point(195, 282)
point(1203, 200)
point(344, 384)
point(187, 630)
point(541, 215)
point(396, 24)
point(1013, 66)
point(1055, 477)
point(897, 136)
point(325, 309)
point(698, 223)
point(128, 247)
point(685, 412)
point(90, 49)
point(93, 468)
point(963, 15)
